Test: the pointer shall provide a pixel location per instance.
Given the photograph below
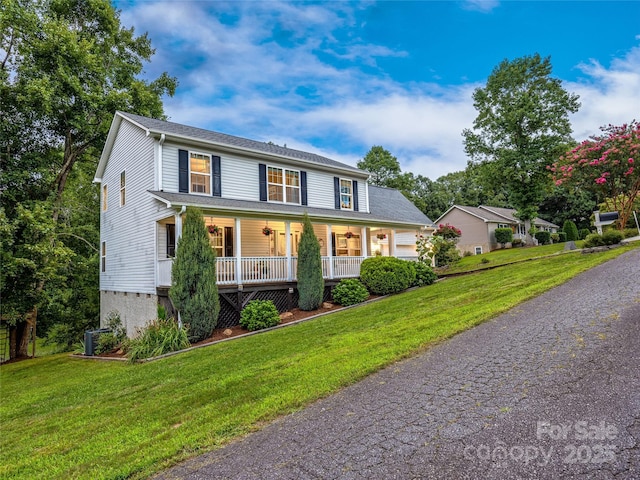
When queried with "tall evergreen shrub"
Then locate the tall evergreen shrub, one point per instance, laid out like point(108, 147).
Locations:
point(571, 230)
point(194, 291)
point(310, 281)
point(504, 236)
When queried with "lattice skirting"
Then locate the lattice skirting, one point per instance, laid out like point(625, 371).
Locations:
point(232, 301)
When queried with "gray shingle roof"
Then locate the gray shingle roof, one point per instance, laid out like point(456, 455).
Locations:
point(387, 206)
point(184, 131)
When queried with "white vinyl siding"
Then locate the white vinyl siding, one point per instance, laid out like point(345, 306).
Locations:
point(130, 233)
point(170, 168)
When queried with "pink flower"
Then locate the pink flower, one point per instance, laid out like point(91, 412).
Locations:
point(601, 180)
point(630, 160)
point(558, 182)
point(629, 172)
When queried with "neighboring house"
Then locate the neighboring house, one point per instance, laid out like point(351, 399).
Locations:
point(478, 225)
point(151, 170)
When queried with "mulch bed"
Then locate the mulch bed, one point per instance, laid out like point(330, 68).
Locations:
point(224, 333)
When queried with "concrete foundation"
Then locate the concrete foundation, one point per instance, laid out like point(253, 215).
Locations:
point(135, 309)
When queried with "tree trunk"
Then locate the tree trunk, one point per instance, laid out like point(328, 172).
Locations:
point(19, 336)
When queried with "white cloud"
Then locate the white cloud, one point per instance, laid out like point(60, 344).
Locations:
point(608, 95)
point(481, 5)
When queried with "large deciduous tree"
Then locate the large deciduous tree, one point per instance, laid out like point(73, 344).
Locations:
point(65, 67)
point(522, 126)
point(606, 165)
point(382, 166)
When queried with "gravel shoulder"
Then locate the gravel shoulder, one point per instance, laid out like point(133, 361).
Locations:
point(550, 389)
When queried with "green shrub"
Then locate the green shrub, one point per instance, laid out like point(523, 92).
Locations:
point(517, 242)
point(385, 275)
point(109, 341)
point(562, 237)
point(157, 338)
point(259, 314)
point(612, 237)
point(504, 236)
point(593, 240)
point(584, 233)
point(349, 292)
point(571, 230)
point(467, 253)
point(555, 237)
point(484, 260)
point(194, 289)
point(424, 274)
point(310, 281)
point(630, 232)
point(543, 237)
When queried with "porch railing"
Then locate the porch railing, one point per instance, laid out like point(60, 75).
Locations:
point(265, 269)
point(346, 266)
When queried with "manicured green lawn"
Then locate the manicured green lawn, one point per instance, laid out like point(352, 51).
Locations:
point(504, 256)
point(64, 418)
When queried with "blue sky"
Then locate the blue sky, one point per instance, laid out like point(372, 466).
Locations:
point(336, 78)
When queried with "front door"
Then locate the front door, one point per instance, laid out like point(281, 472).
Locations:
point(228, 241)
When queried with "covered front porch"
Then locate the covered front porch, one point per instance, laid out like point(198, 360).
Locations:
point(253, 251)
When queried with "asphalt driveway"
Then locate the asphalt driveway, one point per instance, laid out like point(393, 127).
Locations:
point(550, 389)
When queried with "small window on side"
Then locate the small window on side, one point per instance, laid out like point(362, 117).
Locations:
point(478, 250)
point(123, 185)
point(103, 257)
point(104, 198)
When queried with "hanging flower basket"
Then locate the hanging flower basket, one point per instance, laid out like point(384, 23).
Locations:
point(267, 231)
point(381, 236)
point(348, 235)
point(213, 229)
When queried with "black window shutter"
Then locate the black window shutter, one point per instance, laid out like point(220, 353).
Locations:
point(217, 184)
point(336, 191)
point(303, 188)
point(183, 171)
point(355, 196)
point(263, 182)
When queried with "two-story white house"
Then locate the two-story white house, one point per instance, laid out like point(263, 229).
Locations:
point(253, 195)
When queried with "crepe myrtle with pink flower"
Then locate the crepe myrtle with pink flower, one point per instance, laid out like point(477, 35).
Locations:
point(447, 231)
point(607, 165)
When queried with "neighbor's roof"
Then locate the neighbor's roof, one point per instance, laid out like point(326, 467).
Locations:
point(388, 206)
point(186, 133)
point(495, 214)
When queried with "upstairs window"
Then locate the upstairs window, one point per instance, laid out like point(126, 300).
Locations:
point(200, 173)
point(123, 184)
point(103, 257)
point(104, 198)
point(346, 194)
point(283, 185)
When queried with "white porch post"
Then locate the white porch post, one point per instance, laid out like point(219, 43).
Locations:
point(238, 241)
point(178, 218)
point(392, 243)
point(330, 250)
point(365, 242)
point(287, 234)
